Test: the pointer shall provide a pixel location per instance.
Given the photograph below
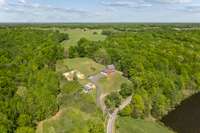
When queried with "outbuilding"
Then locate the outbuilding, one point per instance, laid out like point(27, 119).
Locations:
point(89, 87)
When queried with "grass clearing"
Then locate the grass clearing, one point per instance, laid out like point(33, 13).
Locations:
point(85, 65)
point(76, 110)
point(76, 34)
point(130, 125)
point(112, 82)
point(68, 120)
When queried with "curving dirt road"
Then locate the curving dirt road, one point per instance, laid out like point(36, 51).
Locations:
point(99, 96)
point(113, 116)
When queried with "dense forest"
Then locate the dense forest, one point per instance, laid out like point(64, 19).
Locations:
point(163, 65)
point(28, 82)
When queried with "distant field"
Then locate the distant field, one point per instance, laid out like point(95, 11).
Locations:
point(130, 125)
point(76, 34)
point(112, 82)
point(84, 65)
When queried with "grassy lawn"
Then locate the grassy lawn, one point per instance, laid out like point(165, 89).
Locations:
point(68, 120)
point(85, 65)
point(112, 82)
point(130, 125)
point(76, 34)
point(76, 110)
point(79, 100)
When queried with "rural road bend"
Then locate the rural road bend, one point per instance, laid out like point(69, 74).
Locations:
point(113, 116)
point(100, 102)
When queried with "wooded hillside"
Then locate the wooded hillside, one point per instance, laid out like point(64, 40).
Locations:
point(28, 82)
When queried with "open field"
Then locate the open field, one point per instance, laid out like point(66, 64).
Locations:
point(76, 34)
point(85, 65)
point(112, 82)
point(130, 125)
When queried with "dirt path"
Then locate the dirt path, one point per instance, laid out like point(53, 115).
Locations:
point(113, 116)
point(99, 96)
point(39, 128)
point(102, 103)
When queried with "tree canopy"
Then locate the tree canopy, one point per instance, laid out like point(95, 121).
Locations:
point(28, 82)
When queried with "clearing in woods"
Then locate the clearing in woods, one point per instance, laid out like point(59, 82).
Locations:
point(112, 82)
point(76, 34)
point(85, 65)
point(77, 108)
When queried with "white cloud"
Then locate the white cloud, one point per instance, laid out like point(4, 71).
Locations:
point(192, 8)
point(170, 1)
point(38, 12)
point(108, 11)
point(141, 3)
point(22, 1)
point(127, 3)
point(2, 2)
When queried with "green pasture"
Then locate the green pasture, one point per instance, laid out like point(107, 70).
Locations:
point(130, 125)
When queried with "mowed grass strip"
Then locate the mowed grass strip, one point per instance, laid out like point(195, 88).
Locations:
point(112, 82)
point(130, 125)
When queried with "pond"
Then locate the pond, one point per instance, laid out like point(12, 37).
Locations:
point(186, 117)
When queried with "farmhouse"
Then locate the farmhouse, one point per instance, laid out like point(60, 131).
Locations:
point(88, 87)
point(70, 76)
point(110, 69)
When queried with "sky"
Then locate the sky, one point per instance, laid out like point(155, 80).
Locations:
point(99, 11)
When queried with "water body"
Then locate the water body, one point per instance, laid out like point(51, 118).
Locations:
point(186, 117)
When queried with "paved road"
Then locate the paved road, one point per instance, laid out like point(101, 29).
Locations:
point(113, 116)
